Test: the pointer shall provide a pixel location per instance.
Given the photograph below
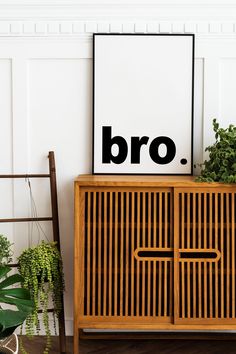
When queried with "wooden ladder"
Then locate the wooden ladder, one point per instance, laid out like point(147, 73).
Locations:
point(55, 225)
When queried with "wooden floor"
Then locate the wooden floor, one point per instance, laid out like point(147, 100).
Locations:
point(35, 346)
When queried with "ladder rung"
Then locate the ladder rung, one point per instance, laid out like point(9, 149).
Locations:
point(46, 218)
point(48, 310)
point(26, 176)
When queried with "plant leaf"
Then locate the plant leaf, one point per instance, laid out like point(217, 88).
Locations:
point(10, 318)
point(21, 304)
point(18, 293)
point(4, 270)
point(12, 279)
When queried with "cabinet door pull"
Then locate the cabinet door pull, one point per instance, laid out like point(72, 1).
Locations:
point(157, 254)
point(199, 255)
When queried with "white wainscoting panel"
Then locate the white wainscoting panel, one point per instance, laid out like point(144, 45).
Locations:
point(227, 109)
point(46, 94)
point(6, 115)
point(6, 163)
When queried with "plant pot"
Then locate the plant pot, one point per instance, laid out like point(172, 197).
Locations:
point(9, 345)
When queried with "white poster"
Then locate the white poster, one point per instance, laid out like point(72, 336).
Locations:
point(143, 103)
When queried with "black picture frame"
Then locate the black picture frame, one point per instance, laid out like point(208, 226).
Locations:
point(105, 171)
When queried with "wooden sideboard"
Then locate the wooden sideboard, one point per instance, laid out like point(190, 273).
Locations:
point(154, 253)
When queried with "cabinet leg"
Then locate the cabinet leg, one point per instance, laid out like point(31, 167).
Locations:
point(76, 341)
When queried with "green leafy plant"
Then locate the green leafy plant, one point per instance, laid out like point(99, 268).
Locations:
point(221, 165)
point(5, 250)
point(42, 270)
point(17, 296)
point(11, 293)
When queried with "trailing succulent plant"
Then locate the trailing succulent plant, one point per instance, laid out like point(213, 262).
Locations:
point(42, 269)
point(221, 165)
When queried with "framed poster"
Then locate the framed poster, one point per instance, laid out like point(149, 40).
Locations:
point(143, 103)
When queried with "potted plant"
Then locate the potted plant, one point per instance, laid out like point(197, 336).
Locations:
point(5, 250)
point(42, 270)
point(14, 295)
point(221, 165)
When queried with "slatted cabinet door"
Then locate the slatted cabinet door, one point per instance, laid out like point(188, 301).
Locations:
point(141, 241)
point(127, 242)
point(204, 263)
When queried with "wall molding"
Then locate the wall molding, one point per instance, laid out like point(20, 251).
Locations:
point(118, 9)
point(15, 28)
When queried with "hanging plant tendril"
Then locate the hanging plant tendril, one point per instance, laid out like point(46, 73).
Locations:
point(42, 270)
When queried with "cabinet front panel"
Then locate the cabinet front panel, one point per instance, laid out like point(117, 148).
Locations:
point(128, 253)
point(205, 274)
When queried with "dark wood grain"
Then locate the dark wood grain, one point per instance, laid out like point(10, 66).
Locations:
point(179, 346)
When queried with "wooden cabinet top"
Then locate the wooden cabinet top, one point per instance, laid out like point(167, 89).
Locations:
point(145, 181)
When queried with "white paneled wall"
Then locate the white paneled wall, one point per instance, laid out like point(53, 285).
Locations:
point(46, 93)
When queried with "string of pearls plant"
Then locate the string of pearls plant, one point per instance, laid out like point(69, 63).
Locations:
point(42, 270)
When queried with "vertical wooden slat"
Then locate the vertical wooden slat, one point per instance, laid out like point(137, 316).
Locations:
point(205, 290)
point(143, 244)
point(165, 289)
point(205, 220)
point(99, 251)
point(188, 291)
point(121, 251)
point(194, 296)
point(216, 264)
point(160, 262)
point(149, 206)
point(194, 221)
point(138, 263)
point(154, 245)
point(110, 297)
point(233, 252)
point(199, 221)
point(183, 289)
point(188, 263)
point(166, 220)
point(171, 245)
point(194, 299)
point(205, 246)
point(155, 220)
point(131, 253)
point(171, 281)
point(127, 257)
point(88, 253)
point(222, 252)
point(172, 219)
point(228, 258)
point(182, 243)
point(160, 219)
point(210, 264)
point(116, 206)
point(154, 287)
point(194, 291)
point(94, 254)
point(80, 260)
point(105, 256)
point(199, 289)
point(210, 221)
point(159, 288)
point(188, 220)
point(199, 246)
